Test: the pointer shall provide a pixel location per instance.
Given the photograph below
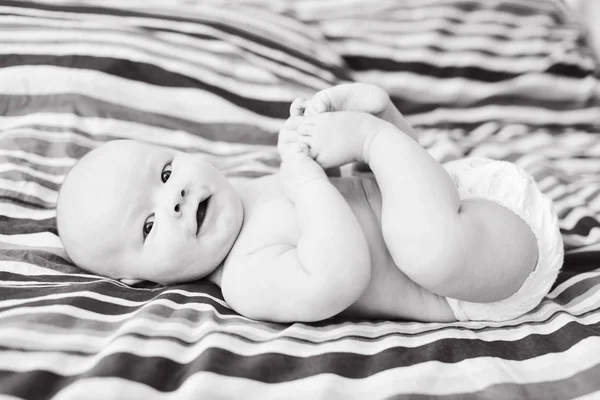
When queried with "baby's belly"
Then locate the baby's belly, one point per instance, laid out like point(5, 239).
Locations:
point(390, 294)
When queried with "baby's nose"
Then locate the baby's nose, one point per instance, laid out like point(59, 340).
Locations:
point(176, 200)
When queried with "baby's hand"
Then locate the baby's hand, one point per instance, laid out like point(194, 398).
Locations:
point(337, 138)
point(297, 167)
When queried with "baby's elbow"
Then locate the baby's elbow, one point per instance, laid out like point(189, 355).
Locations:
point(358, 260)
point(333, 294)
point(349, 287)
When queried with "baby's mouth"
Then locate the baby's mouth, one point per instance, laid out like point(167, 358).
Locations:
point(201, 213)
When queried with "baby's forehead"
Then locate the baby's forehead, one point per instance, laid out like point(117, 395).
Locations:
point(111, 166)
point(125, 150)
point(119, 154)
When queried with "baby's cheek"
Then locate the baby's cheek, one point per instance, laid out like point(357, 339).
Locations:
point(175, 250)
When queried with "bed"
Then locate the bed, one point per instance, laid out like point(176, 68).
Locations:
point(506, 79)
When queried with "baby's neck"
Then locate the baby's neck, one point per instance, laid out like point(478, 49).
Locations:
point(215, 277)
point(239, 183)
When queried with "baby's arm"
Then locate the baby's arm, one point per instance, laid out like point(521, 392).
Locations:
point(321, 275)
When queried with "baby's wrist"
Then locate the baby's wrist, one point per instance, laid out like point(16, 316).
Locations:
point(308, 186)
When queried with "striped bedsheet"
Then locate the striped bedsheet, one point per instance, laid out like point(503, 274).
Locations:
point(504, 79)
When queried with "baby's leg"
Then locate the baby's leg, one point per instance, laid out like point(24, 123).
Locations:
point(474, 250)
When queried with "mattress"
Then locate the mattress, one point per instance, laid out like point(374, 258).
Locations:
point(502, 79)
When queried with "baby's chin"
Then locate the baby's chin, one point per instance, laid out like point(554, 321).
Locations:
point(175, 275)
point(120, 269)
point(176, 278)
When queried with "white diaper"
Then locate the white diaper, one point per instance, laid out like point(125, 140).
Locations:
point(511, 187)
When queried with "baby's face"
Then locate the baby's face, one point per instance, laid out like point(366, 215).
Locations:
point(133, 210)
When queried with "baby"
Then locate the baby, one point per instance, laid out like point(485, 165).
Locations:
point(474, 239)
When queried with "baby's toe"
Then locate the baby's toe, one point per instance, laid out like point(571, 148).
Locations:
point(319, 103)
point(337, 98)
point(305, 137)
point(352, 97)
point(298, 106)
point(295, 150)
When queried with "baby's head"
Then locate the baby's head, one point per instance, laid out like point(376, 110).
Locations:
point(129, 210)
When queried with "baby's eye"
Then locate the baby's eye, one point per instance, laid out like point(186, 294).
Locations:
point(166, 172)
point(148, 224)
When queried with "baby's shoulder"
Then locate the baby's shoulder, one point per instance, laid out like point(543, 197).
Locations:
point(269, 217)
point(263, 188)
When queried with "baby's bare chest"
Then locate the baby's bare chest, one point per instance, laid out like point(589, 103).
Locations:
point(270, 218)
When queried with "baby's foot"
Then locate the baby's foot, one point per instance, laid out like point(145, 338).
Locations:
point(361, 97)
point(337, 138)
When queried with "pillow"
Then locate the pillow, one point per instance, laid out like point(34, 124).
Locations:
point(458, 64)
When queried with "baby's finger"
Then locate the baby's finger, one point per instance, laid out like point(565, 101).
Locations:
point(306, 128)
point(286, 136)
point(293, 150)
point(298, 106)
point(292, 122)
point(308, 141)
point(303, 148)
point(305, 138)
point(306, 123)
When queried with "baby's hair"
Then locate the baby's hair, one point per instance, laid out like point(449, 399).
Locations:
point(62, 185)
point(58, 204)
point(59, 213)
point(58, 197)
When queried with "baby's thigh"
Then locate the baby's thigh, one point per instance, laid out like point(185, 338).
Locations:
point(514, 189)
point(393, 295)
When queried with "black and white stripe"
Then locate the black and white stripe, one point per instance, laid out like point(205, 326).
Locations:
point(502, 79)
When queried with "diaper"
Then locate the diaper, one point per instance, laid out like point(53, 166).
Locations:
point(511, 187)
